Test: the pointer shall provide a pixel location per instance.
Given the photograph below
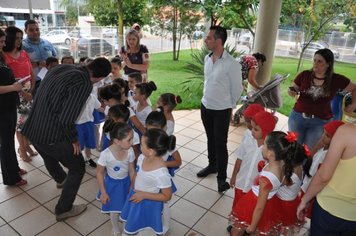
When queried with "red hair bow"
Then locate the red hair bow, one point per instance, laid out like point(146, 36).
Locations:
point(260, 165)
point(306, 150)
point(291, 137)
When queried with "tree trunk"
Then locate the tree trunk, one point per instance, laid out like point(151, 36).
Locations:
point(120, 23)
point(175, 23)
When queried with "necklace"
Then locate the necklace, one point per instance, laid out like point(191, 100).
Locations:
point(316, 78)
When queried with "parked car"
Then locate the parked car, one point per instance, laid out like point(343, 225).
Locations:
point(312, 48)
point(109, 33)
point(245, 39)
point(92, 47)
point(198, 35)
point(57, 37)
point(62, 51)
point(78, 34)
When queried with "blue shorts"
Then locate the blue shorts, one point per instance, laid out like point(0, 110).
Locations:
point(86, 135)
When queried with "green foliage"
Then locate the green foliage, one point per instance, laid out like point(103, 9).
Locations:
point(106, 11)
point(196, 68)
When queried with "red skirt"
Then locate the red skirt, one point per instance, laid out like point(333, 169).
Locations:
point(238, 195)
point(288, 211)
point(308, 210)
point(243, 211)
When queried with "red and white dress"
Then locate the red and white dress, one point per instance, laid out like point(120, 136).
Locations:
point(289, 201)
point(242, 213)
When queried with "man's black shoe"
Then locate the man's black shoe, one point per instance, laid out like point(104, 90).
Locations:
point(205, 172)
point(223, 186)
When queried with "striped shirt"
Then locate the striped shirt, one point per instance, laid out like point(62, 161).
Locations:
point(57, 105)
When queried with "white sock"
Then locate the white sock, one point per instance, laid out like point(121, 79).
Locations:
point(166, 217)
point(114, 218)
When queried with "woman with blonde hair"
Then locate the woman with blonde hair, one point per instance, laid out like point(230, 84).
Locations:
point(134, 55)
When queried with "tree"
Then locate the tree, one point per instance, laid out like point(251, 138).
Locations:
point(74, 8)
point(119, 13)
point(177, 16)
point(313, 17)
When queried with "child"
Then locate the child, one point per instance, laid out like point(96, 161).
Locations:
point(133, 79)
point(288, 192)
point(173, 160)
point(257, 211)
point(142, 92)
point(120, 113)
point(115, 173)
point(51, 62)
point(86, 128)
point(67, 60)
point(318, 158)
point(116, 68)
point(144, 204)
point(169, 101)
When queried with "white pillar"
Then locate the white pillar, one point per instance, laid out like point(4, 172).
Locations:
point(266, 33)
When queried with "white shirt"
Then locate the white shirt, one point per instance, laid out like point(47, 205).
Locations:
point(224, 78)
point(250, 154)
point(290, 192)
point(86, 115)
point(116, 169)
point(142, 115)
point(170, 127)
point(273, 180)
point(318, 158)
point(151, 181)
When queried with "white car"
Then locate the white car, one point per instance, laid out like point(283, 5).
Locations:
point(315, 46)
point(245, 39)
point(57, 37)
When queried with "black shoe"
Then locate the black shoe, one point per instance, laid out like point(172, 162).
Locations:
point(229, 228)
point(223, 186)
point(92, 163)
point(205, 172)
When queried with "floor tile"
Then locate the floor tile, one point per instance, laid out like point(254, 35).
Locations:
point(177, 229)
point(201, 161)
point(34, 178)
point(212, 224)
point(37, 161)
point(45, 192)
point(193, 233)
point(196, 145)
point(2, 222)
point(189, 172)
point(184, 122)
point(202, 196)
point(7, 192)
point(88, 221)
point(52, 204)
point(181, 139)
point(89, 189)
point(34, 222)
point(17, 206)
point(60, 228)
point(8, 231)
point(191, 133)
point(186, 212)
point(105, 229)
point(183, 185)
point(202, 138)
point(187, 154)
point(223, 206)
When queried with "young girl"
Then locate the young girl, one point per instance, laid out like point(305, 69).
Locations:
point(116, 68)
point(173, 160)
point(257, 211)
point(144, 205)
point(249, 152)
point(115, 173)
point(142, 92)
point(169, 101)
point(288, 192)
point(318, 158)
point(133, 79)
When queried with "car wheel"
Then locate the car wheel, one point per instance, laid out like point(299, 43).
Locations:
point(67, 41)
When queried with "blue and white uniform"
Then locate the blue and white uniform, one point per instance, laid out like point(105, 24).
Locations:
point(117, 180)
point(147, 213)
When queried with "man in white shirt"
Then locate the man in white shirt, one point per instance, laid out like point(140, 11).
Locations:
point(222, 88)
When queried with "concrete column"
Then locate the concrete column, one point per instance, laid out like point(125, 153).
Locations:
point(266, 34)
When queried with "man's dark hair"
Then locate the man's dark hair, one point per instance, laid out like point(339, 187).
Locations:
point(29, 22)
point(100, 67)
point(50, 60)
point(220, 33)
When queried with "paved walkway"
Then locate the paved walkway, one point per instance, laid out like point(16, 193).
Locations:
point(197, 208)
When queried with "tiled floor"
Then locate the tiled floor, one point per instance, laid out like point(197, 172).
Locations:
point(197, 208)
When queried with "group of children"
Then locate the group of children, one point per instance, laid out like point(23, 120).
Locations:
point(138, 157)
point(272, 172)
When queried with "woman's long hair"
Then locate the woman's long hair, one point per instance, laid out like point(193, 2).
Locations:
point(11, 32)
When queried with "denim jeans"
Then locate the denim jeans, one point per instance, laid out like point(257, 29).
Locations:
point(216, 124)
point(309, 129)
point(63, 153)
point(325, 224)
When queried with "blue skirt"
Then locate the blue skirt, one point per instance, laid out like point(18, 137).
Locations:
point(142, 215)
point(106, 142)
point(117, 189)
point(99, 117)
point(171, 171)
point(86, 135)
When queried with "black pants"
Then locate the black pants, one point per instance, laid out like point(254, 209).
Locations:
point(216, 124)
point(62, 152)
point(9, 164)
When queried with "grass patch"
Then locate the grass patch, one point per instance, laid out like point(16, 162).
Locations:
point(169, 76)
